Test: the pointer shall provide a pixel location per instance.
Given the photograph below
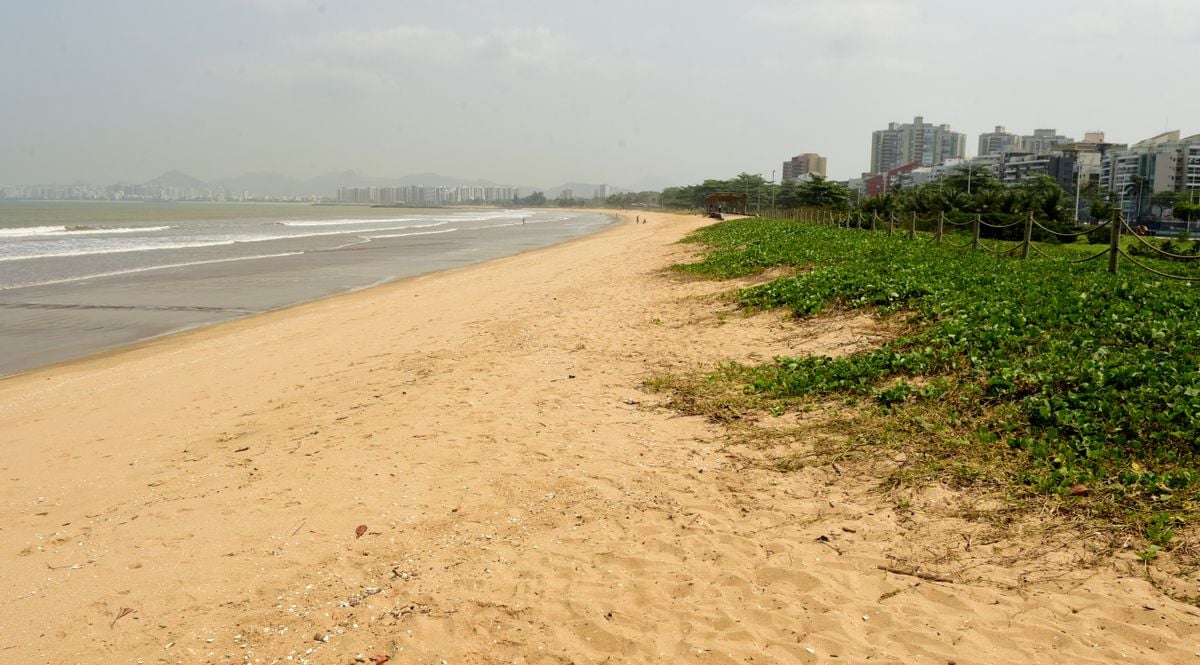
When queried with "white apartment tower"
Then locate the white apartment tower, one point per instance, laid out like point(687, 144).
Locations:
point(919, 141)
point(997, 142)
point(1163, 163)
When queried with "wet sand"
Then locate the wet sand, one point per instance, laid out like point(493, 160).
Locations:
point(462, 468)
point(52, 323)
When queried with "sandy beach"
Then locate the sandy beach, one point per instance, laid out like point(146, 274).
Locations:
point(463, 468)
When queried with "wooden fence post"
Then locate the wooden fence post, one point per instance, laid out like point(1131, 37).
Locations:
point(891, 223)
point(1114, 242)
point(975, 244)
point(912, 227)
point(941, 226)
point(1028, 237)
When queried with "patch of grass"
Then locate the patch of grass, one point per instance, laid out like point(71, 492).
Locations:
point(1159, 528)
point(1056, 378)
point(720, 395)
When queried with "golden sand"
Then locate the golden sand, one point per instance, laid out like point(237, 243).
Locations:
point(461, 468)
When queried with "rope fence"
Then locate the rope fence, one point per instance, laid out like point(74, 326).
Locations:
point(917, 227)
point(1143, 241)
point(1103, 252)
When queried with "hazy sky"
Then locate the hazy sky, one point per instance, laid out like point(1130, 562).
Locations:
point(532, 92)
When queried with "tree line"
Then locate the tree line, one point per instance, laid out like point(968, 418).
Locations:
point(818, 192)
point(968, 190)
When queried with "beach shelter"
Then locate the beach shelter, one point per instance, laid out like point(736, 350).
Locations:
point(731, 202)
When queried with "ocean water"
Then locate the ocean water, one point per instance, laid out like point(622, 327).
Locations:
point(82, 277)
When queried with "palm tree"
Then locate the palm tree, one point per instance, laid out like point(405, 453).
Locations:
point(988, 200)
point(1041, 195)
point(971, 178)
point(956, 200)
point(1136, 185)
point(884, 204)
point(928, 200)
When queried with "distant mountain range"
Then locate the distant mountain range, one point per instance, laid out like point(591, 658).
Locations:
point(177, 179)
point(265, 183)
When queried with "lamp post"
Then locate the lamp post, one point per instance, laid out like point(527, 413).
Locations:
point(772, 191)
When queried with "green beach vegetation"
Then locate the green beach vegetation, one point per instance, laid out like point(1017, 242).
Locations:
point(1040, 379)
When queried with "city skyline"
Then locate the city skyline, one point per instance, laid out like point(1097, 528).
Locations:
point(1039, 141)
point(178, 186)
point(537, 93)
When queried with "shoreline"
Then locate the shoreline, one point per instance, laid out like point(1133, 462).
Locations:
point(184, 328)
point(464, 466)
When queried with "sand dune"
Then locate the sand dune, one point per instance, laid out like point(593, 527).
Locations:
point(522, 499)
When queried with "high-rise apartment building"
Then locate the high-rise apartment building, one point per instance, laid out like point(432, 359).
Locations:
point(802, 165)
point(997, 142)
point(1086, 155)
point(1041, 141)
point(1163, 163)
point(887, 148)
point(921, 142)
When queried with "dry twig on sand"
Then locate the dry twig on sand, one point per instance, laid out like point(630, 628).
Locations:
point(913, 572)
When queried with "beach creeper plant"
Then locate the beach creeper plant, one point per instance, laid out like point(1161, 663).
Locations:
point(1091, 380)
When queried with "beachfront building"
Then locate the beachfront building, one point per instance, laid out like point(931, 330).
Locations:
point(802, 165)
point(887, 149)
point(997, 142)
point(358, 195)
point(499, 194)
point(1042, 141)
point(1086, 156)
point(921, 142)
point(1017, 166)
point(1188, 177)
point(1162, 163)
point(424, 195)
